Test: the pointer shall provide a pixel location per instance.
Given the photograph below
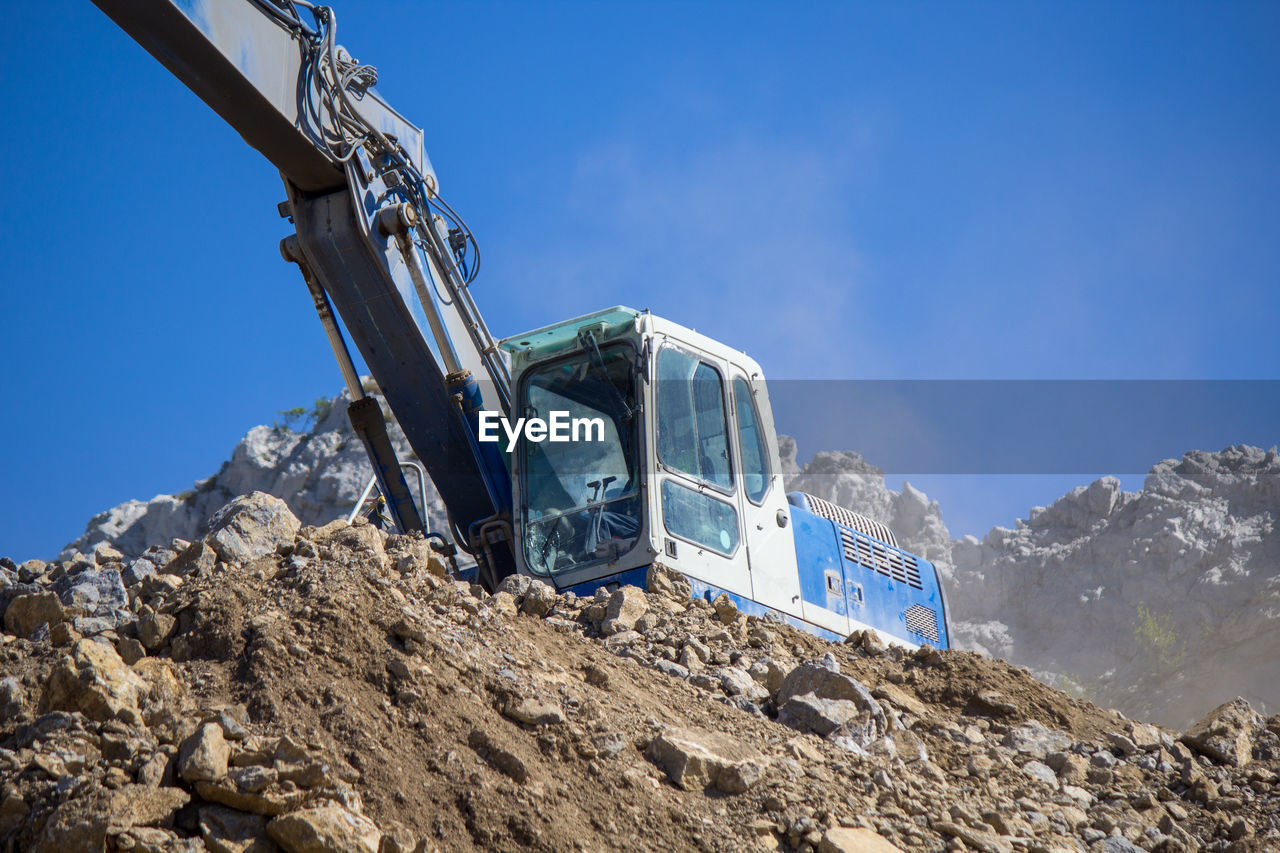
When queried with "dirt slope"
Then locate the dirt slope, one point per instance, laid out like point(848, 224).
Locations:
point(283, 687)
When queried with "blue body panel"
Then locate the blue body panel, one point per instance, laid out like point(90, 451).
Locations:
point(633, 577)
point(817, 557)
point(897, 592)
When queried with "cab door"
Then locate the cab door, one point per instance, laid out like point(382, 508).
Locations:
point(695, 488)
point(762, 501)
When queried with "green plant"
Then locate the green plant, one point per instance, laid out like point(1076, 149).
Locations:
point(300, 419)
point(1073, 685)
point(1158, 640)
point(320, 409)
point(293, 419)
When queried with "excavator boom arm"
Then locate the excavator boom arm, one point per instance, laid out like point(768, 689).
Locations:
point(374, 239)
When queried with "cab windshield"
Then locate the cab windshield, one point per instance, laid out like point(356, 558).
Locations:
point(581, 497)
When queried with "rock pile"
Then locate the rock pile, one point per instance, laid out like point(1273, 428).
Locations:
point(1157, 603)
point(276, 686)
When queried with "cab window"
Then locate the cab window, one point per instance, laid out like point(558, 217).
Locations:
point(755, 458)
point(699, 518)
point(582, 502)
point(692, 427)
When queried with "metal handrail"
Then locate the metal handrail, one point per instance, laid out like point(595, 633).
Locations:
point(373, 481)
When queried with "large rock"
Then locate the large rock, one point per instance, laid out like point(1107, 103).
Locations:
point(196, 558)
point(695, 760)
point(226, 830)
point(824, 679)
point(137, 571)
point(152, 560)
point(1034, 739)
point(810, 713)
point(252, 526)
point(106, 555)
point(96, 590)
point(26, 613)
point(625, 607)
point(737, 682)
point(1226, 733)
point(817, 697)
point(82, 825)
point(855, 840)
point(203, 756)
point(539, 600)
point(361, 539)
point(325, 829)
point(154, 629)
point(269, 800)
point(533, 712)
point(97, 683)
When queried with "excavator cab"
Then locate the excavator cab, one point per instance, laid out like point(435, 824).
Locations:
point(667, 453)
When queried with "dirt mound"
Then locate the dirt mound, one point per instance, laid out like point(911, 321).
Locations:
point(339, 692)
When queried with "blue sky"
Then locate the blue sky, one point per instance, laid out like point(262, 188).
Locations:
point(870, 191)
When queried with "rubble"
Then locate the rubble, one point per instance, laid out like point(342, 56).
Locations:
point(339, 692)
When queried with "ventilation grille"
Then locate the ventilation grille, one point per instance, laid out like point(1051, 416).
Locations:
point(922, 621)
point(878, 557)
point(849, 518)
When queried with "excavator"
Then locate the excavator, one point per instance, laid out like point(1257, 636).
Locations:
point(581, 453)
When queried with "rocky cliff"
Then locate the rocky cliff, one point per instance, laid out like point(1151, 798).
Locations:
point(320, 472)
point(1152, 602)
point(1155, 602)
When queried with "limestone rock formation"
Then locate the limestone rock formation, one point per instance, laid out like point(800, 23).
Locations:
point(320, 473)
point(1159, 602)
